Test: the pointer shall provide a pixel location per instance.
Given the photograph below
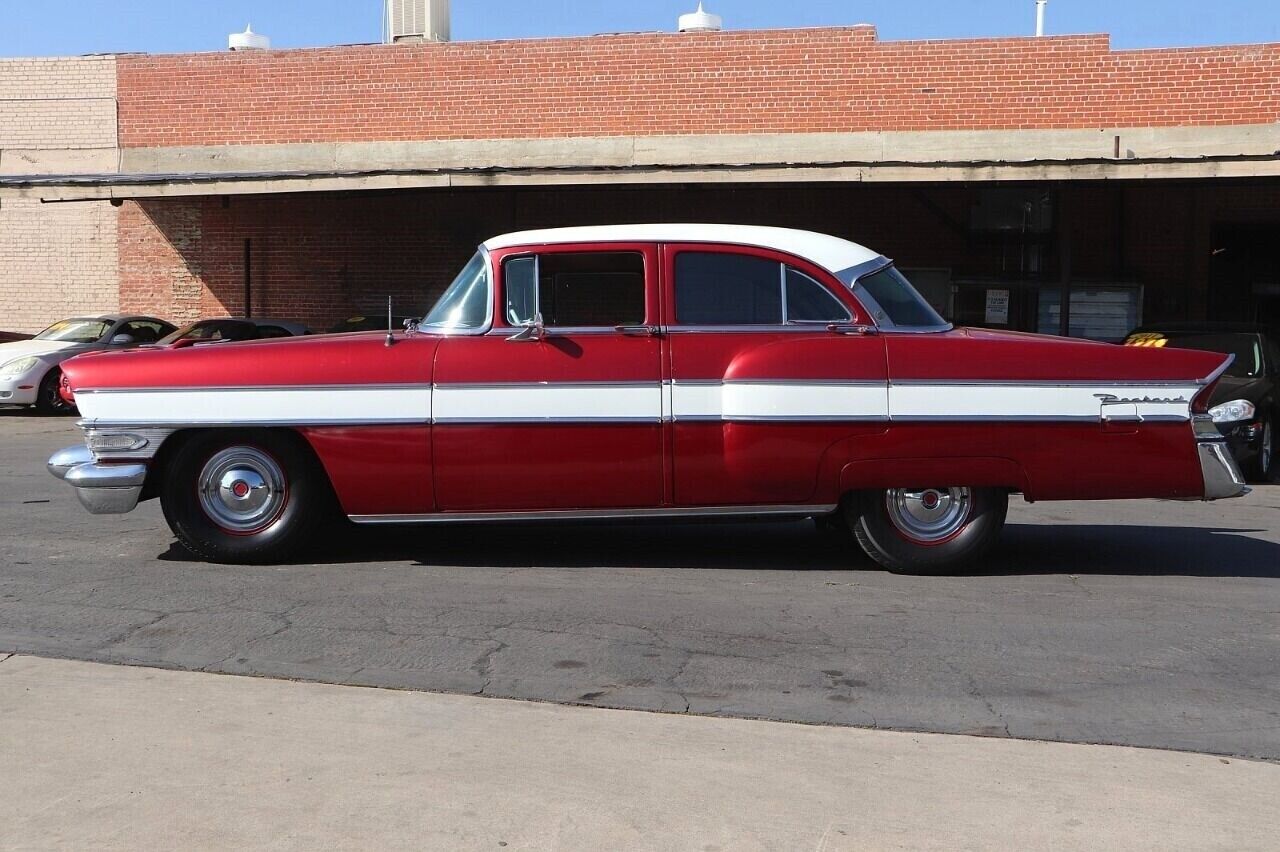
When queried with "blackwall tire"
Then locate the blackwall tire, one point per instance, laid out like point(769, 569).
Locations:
point(48, 398)
point(931, 531)
point(245, 497)
point(1263, 468)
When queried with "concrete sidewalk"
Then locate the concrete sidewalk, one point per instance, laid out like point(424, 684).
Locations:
point(95, 756)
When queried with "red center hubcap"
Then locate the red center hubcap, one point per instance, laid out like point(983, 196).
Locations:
point(930, 500)
point(240, 489)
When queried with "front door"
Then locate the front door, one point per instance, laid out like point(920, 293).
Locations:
point(568, 415)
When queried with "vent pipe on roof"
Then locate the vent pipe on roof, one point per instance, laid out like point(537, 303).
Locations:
point(700, 22)
point(248, 40)
point(1040, 4)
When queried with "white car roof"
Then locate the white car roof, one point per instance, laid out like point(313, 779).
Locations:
point(831, 253)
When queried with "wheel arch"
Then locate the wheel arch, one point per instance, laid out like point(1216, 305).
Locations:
point(158, 466)
point(975, 471)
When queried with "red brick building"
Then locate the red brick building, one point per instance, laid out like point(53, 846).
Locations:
point(315, 183)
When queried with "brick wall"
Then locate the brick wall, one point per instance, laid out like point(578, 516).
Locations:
point(323, 257)
point(808, 80)
point(56, 116)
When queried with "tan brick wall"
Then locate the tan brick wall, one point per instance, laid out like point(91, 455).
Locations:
point(57, 116)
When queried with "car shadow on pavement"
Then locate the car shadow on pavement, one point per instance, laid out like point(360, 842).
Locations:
point(1133, 550)
point(1025, 549)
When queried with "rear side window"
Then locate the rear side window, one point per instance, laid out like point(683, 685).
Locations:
point(714, 288)
point(576, 289)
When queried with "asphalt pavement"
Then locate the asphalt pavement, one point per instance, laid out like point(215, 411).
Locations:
point(1136, 623)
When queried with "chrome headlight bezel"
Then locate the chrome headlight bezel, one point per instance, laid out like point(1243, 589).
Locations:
point(1235, 411)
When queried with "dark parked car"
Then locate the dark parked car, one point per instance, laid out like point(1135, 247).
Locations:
point(1246, 403)
point(235, 328)
point(371, 323)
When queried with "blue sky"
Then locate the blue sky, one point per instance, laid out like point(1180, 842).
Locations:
point(67, 27)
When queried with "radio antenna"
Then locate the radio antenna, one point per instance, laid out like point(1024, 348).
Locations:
point(391, 337)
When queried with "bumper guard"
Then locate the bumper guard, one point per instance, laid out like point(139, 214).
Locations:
point(103, 489)
point(1222, 476)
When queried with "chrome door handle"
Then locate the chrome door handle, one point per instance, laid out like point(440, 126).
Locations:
point(638, 330)
point(845, 328)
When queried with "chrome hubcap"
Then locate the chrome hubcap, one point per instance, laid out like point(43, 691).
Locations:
point(242, 489)
point(928, 514)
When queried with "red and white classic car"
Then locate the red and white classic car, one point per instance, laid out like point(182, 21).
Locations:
point(647, 371)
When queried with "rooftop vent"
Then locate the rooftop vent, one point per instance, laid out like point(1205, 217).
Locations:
point(415, 20)
point(248, 40)
point(700, 22)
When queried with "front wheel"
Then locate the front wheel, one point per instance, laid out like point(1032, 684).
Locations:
point(927, 530)
point(250, 497)
point(49, 399)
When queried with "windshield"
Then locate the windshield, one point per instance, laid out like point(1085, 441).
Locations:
point(214, 330)
point(1246, 347)
point(893, 302)
point(75, 331)
point(465, 304)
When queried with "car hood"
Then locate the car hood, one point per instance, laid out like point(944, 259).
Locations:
point(1236, 387)
point(19, 348)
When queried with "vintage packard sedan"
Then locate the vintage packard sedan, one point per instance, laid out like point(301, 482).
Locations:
point(676, 371)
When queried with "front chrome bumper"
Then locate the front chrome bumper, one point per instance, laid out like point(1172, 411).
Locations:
point(1222, 476)
point(103, 489)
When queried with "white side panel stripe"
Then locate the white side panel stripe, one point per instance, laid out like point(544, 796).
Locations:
point(766, 401)
point(261, 405)
point(548, 402)
point(1065, 402)
point(639, 402)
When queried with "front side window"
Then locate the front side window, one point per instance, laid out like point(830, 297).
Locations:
point(576, 289)
point(735, 289)
point(75, 331)
point(893, 302)
point(465, 303)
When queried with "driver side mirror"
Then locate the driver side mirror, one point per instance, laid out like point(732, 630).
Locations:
point(533, 330)
point(123, 340)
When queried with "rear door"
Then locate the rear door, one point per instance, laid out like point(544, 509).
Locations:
point(569, 418)
point(763, 392)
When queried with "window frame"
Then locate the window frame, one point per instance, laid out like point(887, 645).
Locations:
point(856, 313)
point(649, 257)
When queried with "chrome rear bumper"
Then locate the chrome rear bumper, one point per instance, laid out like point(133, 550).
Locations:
point(1222, 476)
point(103, 489)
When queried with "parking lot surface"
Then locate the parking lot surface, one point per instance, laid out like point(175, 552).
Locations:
point(1137, 623)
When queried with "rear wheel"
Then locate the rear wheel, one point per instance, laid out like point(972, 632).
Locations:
point(927, 530)
point(244, 497)
point(49, 396)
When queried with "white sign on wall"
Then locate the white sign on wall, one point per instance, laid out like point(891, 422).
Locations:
point(997, 307)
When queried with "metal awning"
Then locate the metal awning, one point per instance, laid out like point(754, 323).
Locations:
point(107, 187)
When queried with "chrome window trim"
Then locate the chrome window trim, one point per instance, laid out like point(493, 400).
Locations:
point(560, 330)
point(786, 313)
point(879, 317)
point(646, 419)
point(539, 385)
point(488, 320)
point(780, 418)
point(599, 514)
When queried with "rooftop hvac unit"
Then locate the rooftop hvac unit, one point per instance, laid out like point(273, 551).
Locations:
point(416, 20)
